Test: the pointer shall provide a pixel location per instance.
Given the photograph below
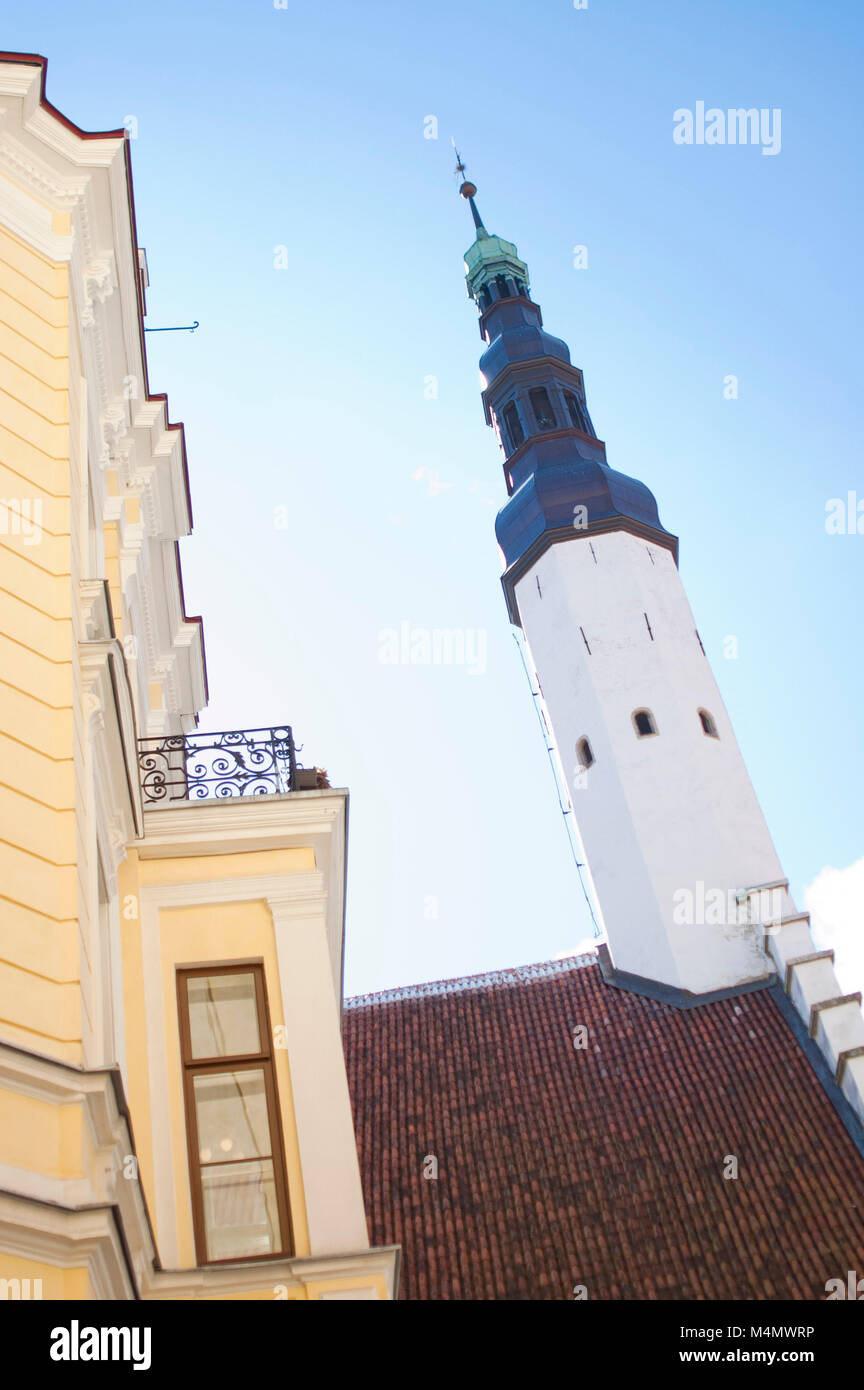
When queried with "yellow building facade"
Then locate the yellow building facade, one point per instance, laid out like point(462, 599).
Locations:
point(174, 1113)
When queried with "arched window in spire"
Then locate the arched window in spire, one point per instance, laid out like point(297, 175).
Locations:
point(708, 725)
point(644, 723)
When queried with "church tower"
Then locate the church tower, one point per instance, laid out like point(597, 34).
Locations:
point(683, 865)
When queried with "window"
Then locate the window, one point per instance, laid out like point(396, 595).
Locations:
point(708, 725)
point(542, 407)
point(485, 299)
point(236, 1162)
point(578, 417)
point(644, 722)
point(515, 432)
point(584, 753)
point(503, 287)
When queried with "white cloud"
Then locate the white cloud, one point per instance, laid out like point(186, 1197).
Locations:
point(835, 901)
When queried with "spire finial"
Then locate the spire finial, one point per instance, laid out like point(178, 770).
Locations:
point(468, 189)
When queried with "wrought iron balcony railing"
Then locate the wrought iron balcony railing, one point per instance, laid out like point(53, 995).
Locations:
point(245, 762)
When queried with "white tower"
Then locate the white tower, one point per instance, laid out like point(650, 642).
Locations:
point(682, 861)
point(672, 830)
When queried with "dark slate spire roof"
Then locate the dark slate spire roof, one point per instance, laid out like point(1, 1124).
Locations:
point(543, 504)
point(601, 1166)
point(535, 398)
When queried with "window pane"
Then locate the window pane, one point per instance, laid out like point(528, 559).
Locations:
point(223, 1015)
point(231, 1109)
point(241, 1217)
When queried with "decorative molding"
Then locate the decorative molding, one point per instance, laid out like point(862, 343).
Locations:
point(106, 691)
point(69, 1238)
point(97, 620)
point(282, 890)
point(39, 1187)
point(32, 221)
point(100, 282)
point(50, 168)
point(362, 1269)
point(223, 826)
point(38, 178)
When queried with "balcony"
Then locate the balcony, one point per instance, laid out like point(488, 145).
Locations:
point(201, 767)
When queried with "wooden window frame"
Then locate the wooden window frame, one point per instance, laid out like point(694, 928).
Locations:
point(263, 1061)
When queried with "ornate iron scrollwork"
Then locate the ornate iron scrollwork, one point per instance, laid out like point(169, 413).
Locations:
point(196, 767)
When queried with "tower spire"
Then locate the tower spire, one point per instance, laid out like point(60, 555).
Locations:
point(468, 190)
point(664, 805)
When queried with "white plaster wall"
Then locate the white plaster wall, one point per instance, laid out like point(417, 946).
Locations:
point(661, 813)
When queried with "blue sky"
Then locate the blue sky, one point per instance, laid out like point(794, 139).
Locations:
point(305, 389)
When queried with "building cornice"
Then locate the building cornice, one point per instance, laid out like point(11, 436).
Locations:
point(240, 824)
point(362, 1268)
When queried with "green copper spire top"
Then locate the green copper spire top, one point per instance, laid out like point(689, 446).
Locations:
point(489, 256)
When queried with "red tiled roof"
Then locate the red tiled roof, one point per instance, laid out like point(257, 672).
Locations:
point(604, 1166)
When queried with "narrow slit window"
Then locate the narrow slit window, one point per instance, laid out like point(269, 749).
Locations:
point(644, 723)
point(236, 1161)
point(542, 408)
point(584, 753)
point(708, 725)
point(515, 432)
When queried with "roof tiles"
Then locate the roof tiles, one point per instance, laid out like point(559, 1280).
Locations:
point(603, 1165)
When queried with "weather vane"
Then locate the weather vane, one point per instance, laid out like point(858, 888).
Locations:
point(467, 188)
